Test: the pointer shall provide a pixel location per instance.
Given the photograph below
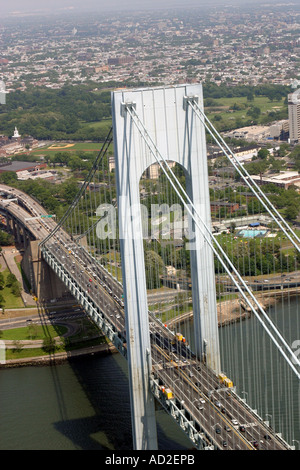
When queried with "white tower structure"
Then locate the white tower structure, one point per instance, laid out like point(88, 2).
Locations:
point(16, 134)
point(180, 138)
point(294, 116)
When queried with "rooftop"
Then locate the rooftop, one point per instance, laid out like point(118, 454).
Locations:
point(20, 166)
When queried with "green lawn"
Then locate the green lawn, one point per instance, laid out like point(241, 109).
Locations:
point(87, 335)
point(35, 332)
point(36, 352)
point(262, 102)
point(221, 108)
point(67, 147)
point(98, 124)
point(11, 301)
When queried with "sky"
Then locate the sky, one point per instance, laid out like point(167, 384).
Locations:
point(30, 5)
point(35, 6)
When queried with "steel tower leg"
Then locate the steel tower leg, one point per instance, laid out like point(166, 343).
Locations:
point(135, 294)
point(202, 261)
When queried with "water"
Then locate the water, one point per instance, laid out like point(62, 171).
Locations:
point(259, 372)
point(79, 405)
point(252, 233)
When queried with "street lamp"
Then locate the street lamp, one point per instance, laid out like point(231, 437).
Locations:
point(295, 440)
point(271, 419)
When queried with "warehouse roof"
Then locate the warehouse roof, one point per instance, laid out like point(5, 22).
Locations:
point(20, 166)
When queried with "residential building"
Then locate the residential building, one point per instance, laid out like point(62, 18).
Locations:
point(294, 116)
point(17, 166)
point(283, 180)
point(2, 93)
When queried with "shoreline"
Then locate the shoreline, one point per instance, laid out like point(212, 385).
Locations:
point(234, 311)
point(60, 358)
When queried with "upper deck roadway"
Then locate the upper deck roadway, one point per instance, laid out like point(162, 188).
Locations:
point(219, 416)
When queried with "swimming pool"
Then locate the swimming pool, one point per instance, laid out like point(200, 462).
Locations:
point(252, 233)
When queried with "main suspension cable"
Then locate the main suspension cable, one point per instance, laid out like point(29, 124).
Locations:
point(83, 187)
point(238, 167)
point(209, 237)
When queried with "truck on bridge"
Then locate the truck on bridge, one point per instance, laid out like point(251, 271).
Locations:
point(225, 380)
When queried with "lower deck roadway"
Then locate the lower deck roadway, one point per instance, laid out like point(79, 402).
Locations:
point(202, 410)
point(213, 406)
point(97, 288)
point(210, 420)
point(187, 390)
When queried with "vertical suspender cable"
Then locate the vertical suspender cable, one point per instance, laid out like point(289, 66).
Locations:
point(208, 237)
point(194, 105)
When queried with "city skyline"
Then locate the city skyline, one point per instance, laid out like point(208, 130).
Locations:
point(16, 7)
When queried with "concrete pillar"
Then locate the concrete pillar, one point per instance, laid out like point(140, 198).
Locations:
point(17, 233)
point(45, 284)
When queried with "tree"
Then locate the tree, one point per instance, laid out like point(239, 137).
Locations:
point(9, 177)
point(16, 289)
point(291, 212)
point(154, 267)
point(32, 331)
point(254, 112)
point(297, 256)
point(49, 344)
point(6, 239)
point(256, 168)
point(2, 281)
point(11, 280)
point(69, 190)
point(18, 345)
point(277, 165)
point(283, 149)
point(263, 154)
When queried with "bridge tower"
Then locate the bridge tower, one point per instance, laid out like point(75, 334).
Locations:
point(180, 137)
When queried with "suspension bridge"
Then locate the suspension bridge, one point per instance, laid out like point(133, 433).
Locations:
point(205, 316)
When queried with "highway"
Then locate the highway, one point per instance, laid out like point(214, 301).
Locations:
point(69, 313)
point(277, 282)
point(220, 416)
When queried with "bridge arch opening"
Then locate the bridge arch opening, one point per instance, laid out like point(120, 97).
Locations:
point(166, 249)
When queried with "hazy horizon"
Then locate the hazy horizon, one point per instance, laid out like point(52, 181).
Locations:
point(14, 7)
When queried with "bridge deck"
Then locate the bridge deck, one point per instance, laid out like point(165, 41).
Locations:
point(211, 414)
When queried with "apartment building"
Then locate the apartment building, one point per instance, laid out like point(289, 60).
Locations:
point(294, 116)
